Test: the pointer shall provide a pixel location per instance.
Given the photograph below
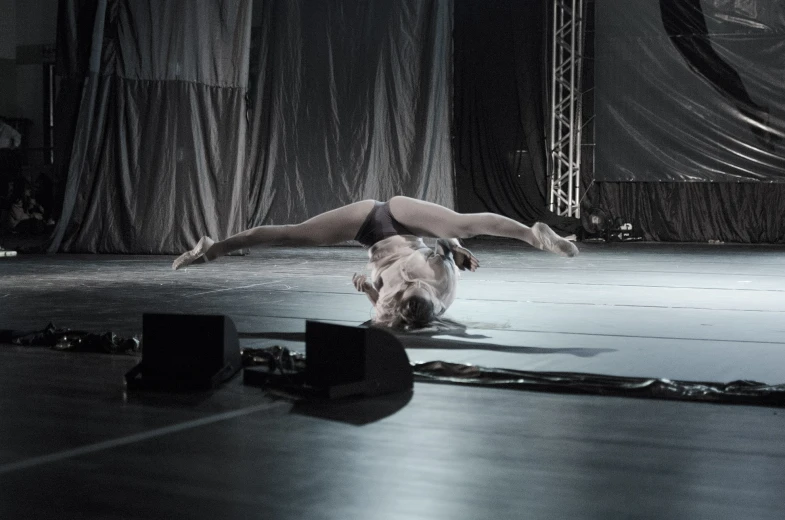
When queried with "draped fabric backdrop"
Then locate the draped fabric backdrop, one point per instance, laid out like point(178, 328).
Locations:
point(158, 149)
point(179, 121)
point(682, 86)
point(501, 107)
point(690, 90)
point(350, 100)
point(745, 212)
point(74, 28)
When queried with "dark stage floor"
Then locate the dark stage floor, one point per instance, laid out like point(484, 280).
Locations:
point(73, 445)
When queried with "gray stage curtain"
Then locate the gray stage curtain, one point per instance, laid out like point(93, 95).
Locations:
point(159, 148)
point(690, 90)
point(351, 100)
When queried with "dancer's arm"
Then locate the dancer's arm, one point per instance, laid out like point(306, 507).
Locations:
point(362, 284)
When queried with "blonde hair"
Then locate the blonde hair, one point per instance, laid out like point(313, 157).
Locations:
point(400, 258)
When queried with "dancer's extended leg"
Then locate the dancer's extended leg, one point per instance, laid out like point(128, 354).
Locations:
point(429, 219)
point(331, 227)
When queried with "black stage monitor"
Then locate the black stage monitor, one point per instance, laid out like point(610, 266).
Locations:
point(186, 352)
point(341, 361)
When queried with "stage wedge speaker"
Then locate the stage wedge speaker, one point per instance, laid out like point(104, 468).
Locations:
point(182, 352)
point(341, 361)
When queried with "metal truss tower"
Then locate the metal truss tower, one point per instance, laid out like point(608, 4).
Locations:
point(565, 138)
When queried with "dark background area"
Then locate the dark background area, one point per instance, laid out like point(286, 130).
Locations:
point(490, 152)
point(77, 444)
point(495, 157)
point(690, 91)
point(665, 203)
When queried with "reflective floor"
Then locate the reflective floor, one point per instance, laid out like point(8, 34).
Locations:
point(74, 444)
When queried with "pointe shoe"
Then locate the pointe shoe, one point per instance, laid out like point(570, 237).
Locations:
point(548, 240)
point(197, 255)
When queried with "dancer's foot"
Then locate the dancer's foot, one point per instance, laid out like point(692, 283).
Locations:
point(197, 255)
point(547, 240)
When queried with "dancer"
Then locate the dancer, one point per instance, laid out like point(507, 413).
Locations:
point(410, 283)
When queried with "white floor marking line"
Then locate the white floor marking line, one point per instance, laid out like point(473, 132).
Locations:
point(130, 439)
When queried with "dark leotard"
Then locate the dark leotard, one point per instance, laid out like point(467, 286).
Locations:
point(380, 224)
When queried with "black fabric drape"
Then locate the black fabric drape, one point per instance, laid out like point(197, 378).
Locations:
point(351, 100)
point(158, 154)
point(500, 102)
point(743, 212)
point(75, 22)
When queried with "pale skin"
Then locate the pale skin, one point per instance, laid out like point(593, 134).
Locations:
point(424, 219)
point(362, 284)
point(445, 249)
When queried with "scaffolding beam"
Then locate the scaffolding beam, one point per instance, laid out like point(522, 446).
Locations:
point(566, 92)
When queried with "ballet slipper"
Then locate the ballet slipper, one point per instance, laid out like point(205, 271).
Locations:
point(197, 255)
point(547, 240)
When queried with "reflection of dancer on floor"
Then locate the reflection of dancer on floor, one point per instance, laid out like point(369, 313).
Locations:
point(410, 284)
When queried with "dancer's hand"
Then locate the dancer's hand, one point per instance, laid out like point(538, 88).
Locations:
point(464, 259)
point(360, 282)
